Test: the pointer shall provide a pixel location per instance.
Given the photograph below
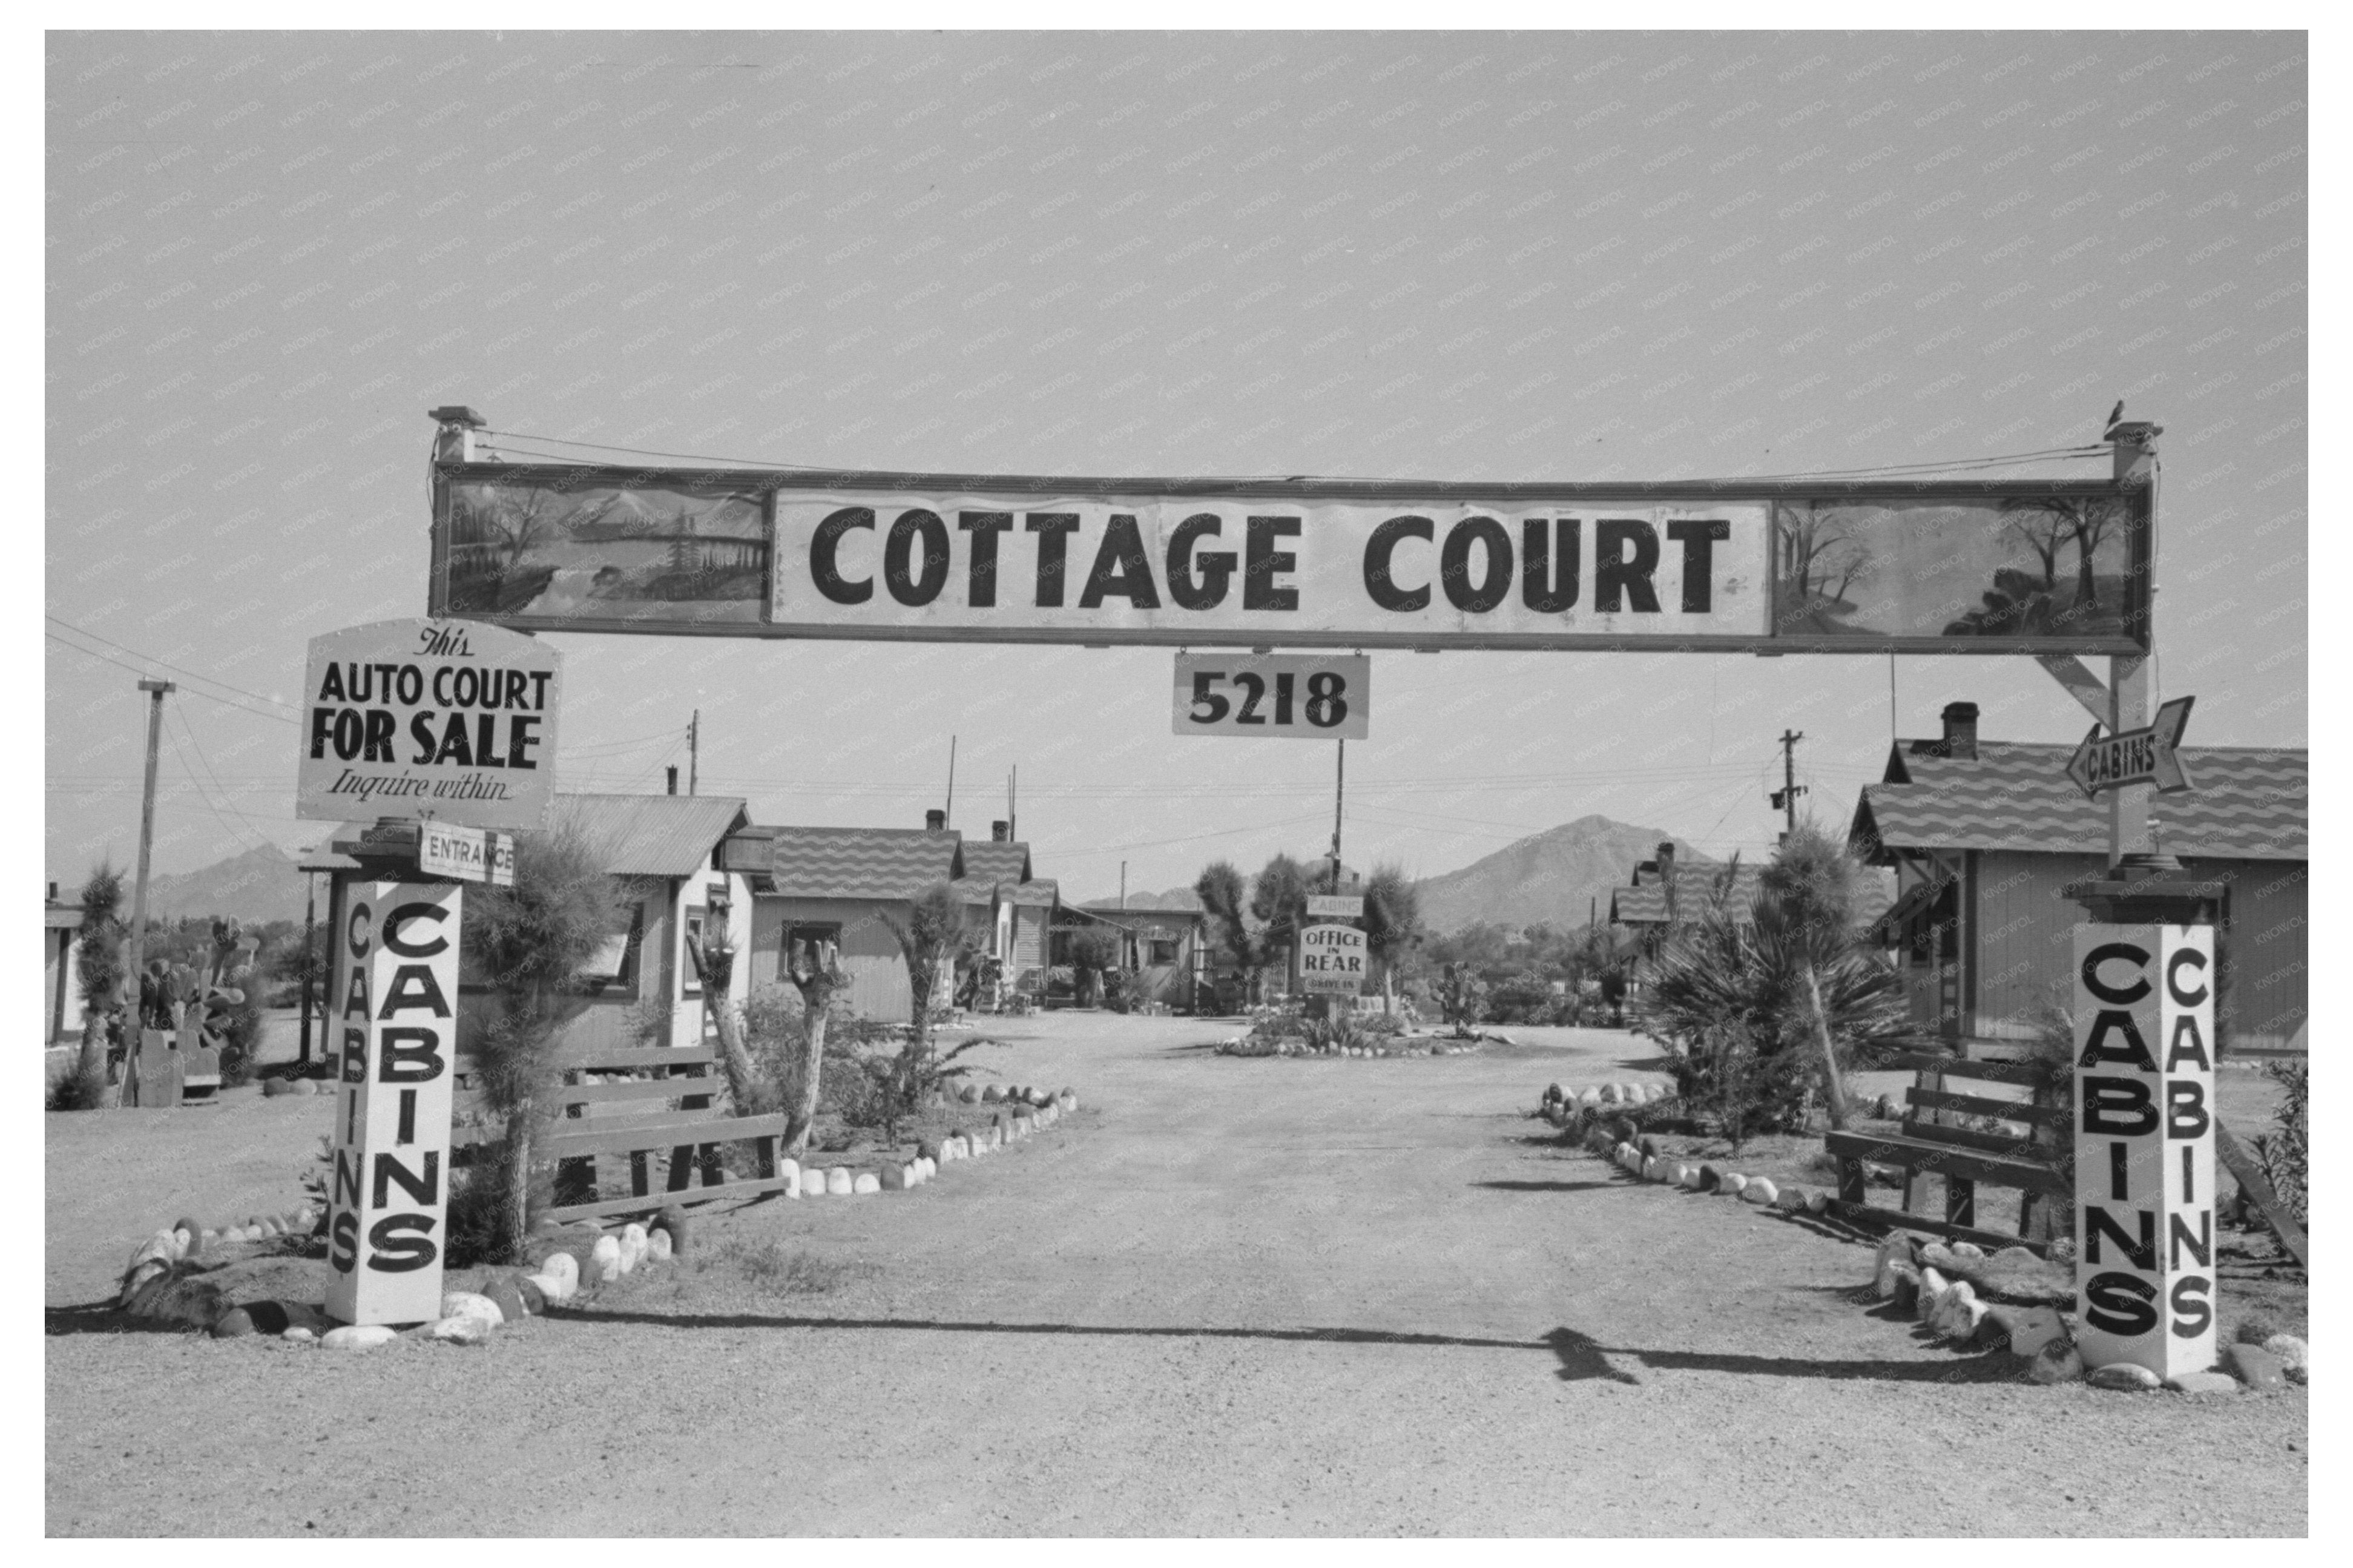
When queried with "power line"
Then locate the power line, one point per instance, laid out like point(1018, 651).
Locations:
point(1948, 465)
point(224, 701)
point(274, 702)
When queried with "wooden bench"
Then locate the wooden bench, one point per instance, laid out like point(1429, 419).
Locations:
point(1965, 1157)
point(675, 1088)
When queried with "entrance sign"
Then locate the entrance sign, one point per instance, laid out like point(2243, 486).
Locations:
point(2136, 756)
point(394, 998)
point(466, 854)
point(1275, 696)
point(1332, 960)
point(1991, 566)
point(443, 719)
point(2144, 1018)
point(1335, 906)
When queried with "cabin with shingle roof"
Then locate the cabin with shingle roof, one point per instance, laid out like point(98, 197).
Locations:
point(1984, 836)
point(845, 885)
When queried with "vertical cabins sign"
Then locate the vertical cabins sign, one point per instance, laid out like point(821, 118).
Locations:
point(1967, 568)
point(394, 1011)
point(2144, 1013)
point(442, 719)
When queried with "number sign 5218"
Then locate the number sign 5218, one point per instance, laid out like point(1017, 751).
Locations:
point(1291, 696)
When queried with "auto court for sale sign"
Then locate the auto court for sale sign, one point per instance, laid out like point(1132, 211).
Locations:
point(445, 719)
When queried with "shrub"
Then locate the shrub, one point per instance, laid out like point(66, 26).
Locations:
point(1735, 1002)
point(1522, 998)
point(2282, 1152)
point(530, 940)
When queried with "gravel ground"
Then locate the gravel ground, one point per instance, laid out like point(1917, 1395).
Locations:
point(1228, 1296)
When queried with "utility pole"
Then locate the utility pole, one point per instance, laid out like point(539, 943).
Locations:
point(693, 750)
point(133, 955)
point(309, 954)
point(1785, 798)
point(1012, 817)
point(1123, 888)
point(1339, 791)
point(948, 815)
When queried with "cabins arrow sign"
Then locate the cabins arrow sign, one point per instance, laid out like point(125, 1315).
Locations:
point(2136, 756)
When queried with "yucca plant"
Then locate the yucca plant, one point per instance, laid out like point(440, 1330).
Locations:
point(1759, 1011)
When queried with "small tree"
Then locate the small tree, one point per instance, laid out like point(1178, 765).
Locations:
point(1461, 997)
point(1392, 924)
point(1807, 894)
point(930, 935)
point(100, 964)
point(815, 968)
point(1219, 888)
point(1095, 953)
point(532, 940)
point(1279, 904)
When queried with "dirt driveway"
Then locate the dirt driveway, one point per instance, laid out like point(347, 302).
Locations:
point(1263, 1297)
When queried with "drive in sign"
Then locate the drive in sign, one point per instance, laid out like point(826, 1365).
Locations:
point(1332, 960)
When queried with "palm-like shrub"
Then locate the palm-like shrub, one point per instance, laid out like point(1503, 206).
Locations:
point(1744, 1005)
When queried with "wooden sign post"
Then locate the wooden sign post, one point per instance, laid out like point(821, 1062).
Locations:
point(2144, 1021)
point(395, 1022)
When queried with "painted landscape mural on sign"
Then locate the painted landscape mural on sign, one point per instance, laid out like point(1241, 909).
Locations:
point(681, 551)
point(2036, 566)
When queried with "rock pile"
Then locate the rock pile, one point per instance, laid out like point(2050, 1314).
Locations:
point(2015, 1300)
point(1399, 1046)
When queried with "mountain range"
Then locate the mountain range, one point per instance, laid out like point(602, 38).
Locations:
point(260, 884)
point(1556, 877)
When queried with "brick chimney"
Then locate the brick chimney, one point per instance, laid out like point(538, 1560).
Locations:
point(1961, 731)
point(1000, 832)
point(935, 820)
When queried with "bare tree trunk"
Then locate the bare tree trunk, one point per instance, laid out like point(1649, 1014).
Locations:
point(714, 966)
point(1835, 1088)
point(801, 1085)
point(518, 1178)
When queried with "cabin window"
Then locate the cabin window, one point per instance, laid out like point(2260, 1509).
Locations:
point(1162, 951)
point(690, 974)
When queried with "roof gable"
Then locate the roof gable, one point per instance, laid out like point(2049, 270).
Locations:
point(892, 864)
point(652, 835)
point(997, 860)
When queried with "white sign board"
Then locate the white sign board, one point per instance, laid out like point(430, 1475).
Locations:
point(468, 854)
point(1275, 696)
point(1332, 960)
point(2144, 1017)
point(1335, 906)
point(393, 1019)
point(452, 720)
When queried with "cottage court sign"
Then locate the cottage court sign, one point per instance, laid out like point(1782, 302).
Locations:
point(2049, 566)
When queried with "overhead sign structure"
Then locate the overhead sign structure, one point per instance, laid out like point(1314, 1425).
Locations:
point(2144, 1029)
point(392, 995)
point(1335, 906)
point(1780, 567)
point(466, 855)
point(2136, 756)
point(449, 720)
point(1277, 696)
point(1332, 960)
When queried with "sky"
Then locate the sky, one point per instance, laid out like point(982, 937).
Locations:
point(1460, 256)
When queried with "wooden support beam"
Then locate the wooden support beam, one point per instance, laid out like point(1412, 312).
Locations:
point(2082, 684)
